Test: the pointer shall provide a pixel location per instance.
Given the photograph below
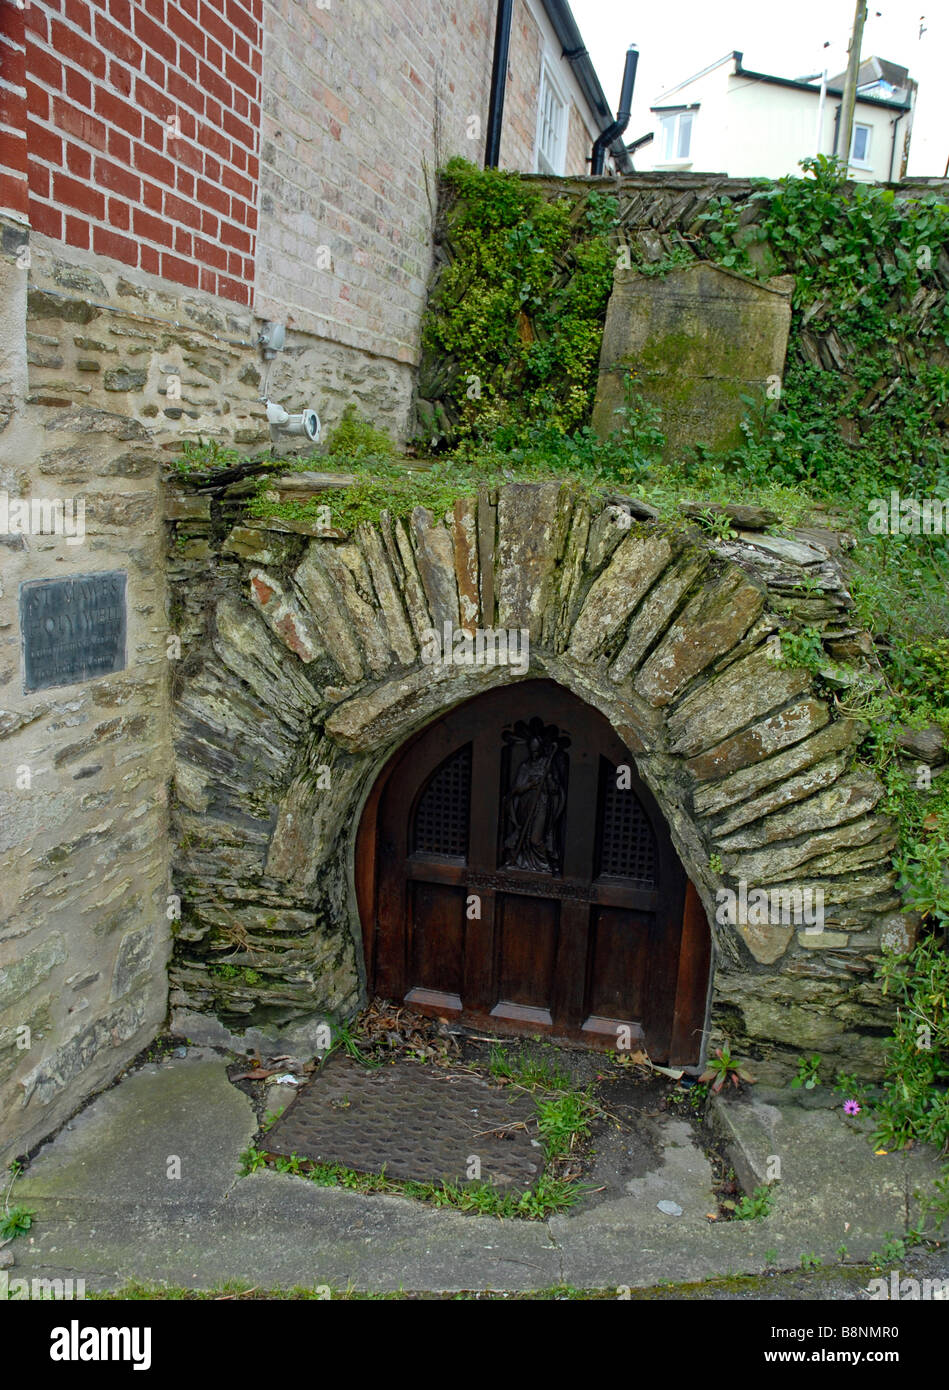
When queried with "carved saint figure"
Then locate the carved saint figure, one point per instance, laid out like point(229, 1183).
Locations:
point(534, 805)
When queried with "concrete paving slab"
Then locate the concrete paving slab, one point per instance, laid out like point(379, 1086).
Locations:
point(108, 1212)
point(122, 1147)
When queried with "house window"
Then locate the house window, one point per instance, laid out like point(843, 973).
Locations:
point(860, 148)
point(677, 135)
point(551, 127)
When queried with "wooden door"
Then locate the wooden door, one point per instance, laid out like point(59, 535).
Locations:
point(515, 873)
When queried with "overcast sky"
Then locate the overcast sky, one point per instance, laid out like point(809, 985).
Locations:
point(677, 38)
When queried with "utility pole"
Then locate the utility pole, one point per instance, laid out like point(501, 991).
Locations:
point(850, 85)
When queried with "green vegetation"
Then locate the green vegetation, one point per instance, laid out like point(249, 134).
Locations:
point(206, 456)
point(527, 1071)
point(356, 438)
point(755, 1207)
point(808, 1073)
point(224, 971)
point(804, 649)
point(14, 1221)
point(345, 1038)
point(523, 302)
point(547, 1196)
point(723, 1067)
point(564, 1118)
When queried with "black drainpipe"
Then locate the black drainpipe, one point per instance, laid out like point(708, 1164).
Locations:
point(896, 126)
point(606, 137)
point(837, 136)
point(502, 43)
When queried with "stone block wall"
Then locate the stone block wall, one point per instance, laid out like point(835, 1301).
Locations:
point(83, 934)
point(87, 353)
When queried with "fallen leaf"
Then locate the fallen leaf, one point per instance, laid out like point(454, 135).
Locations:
point(258, 1074)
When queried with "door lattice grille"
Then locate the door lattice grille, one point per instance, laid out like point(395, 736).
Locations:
point(627, 841)
point(443, 811)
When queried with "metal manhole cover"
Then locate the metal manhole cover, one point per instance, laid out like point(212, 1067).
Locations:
point(419, 1124)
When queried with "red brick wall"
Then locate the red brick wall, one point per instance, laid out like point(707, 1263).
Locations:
point(143, 122)
point(13, 186)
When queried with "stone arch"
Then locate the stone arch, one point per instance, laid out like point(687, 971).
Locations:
point(313, 672)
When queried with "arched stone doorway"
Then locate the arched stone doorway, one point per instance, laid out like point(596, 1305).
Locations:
point(310, 667)
point(514, 872)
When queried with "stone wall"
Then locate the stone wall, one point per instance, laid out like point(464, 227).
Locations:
point(83, 766)
point(89, 413)
point(305, 672)
point(352, 139)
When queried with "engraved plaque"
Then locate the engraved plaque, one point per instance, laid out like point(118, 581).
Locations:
point(73, 629)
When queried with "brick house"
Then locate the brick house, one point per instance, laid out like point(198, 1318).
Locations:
point(280, 154)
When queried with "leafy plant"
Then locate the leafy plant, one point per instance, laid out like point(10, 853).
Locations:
point(14, 1221)
point(808, 1073)
point(894, 1249)
point(250, 1160)
point(520, 307)
point(802, 649)
point(722, 1067)
point(915, 1101)
point(755, 1207)
point(206, 456)
point(563, 1119)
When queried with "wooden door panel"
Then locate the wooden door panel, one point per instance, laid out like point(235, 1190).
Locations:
point(695, 959)
point(620, 944)
point(526, 932)
point(437, 934)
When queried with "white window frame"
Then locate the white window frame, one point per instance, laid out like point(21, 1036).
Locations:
point(865, 162)
point(671, 121)
point(551, 159)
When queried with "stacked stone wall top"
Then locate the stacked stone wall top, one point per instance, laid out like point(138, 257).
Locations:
point(305, 671)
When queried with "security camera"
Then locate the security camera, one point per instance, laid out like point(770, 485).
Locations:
point(306, 423)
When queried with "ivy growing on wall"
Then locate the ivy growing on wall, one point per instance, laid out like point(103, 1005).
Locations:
point(517, 314)
point(865, 396)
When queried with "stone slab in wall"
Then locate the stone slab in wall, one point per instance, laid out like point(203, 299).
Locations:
point(692, 343)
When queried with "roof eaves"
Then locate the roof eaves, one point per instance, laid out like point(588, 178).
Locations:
point(812, 87)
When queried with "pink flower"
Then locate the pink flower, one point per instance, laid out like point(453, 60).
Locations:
point(851, 1107)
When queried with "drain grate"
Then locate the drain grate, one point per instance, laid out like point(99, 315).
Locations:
point(419, 1124)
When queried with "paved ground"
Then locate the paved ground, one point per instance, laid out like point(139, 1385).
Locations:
point(110, 1207)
